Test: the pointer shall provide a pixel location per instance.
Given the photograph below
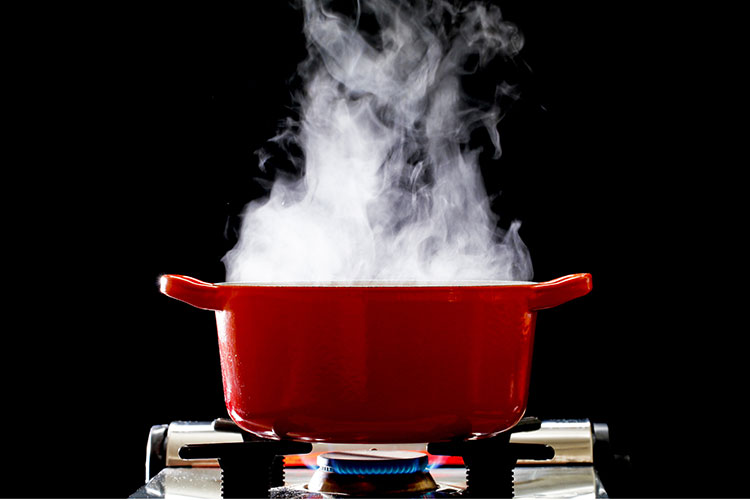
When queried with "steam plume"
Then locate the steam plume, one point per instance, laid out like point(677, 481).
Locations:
point(390, 188)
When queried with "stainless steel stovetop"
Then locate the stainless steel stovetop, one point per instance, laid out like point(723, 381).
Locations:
point(571, 473)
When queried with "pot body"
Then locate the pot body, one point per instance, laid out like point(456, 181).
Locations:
point(375, 364)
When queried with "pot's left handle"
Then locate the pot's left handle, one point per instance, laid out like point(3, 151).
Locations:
point(195, 292)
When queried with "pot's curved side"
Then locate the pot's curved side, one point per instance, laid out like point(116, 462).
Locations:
point(357, 365)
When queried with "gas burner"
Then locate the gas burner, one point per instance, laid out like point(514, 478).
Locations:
point(372, 473)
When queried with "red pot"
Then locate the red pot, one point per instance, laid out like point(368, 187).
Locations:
point(377, 363)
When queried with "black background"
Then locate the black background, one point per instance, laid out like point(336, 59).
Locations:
point(137, 131)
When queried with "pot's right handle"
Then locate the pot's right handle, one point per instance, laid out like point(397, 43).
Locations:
point(558, 291)
point(195, 292)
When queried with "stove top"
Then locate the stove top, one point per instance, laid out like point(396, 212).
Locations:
point(551, 458)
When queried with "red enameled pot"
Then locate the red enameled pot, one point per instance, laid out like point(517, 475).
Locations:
point(376, 362)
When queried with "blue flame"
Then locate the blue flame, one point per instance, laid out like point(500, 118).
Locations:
point(406, 468)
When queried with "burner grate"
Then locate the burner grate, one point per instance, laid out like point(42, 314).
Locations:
point(249, 469)
point(490, 462)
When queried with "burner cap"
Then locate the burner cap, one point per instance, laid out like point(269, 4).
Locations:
point(372, 472)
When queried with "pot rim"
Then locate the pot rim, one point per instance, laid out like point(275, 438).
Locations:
point(214, 296)
point(378, 283)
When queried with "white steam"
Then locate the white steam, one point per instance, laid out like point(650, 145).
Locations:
point(391, 189)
